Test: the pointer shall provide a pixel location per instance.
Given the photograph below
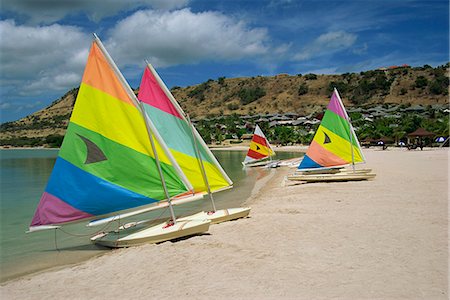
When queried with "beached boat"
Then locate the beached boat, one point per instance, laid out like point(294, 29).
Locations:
point(260, 151)
point(339, 176)
point(291, 162)
point(333, 147)
point(195, 159)
point(113, 164)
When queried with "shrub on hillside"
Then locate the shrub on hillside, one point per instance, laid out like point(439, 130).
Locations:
point(248, 95)
point(310, 76)
point(421, 82)
point(303, 89)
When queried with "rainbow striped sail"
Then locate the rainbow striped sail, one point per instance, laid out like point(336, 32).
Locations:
point(259, 148)
point(175, 129)
point(106, 162)
point(335, 143)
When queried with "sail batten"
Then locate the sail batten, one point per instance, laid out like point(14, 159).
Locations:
point(335, 143)
point(106, 162)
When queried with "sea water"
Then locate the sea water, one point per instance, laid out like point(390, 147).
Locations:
point(23, 177)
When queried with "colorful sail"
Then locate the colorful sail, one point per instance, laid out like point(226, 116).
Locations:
point(259, 147)
point(177, 133)
point(335, 143)
point(106, 162)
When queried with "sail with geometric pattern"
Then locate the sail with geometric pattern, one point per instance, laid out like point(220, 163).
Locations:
point(106, 162)
point(259, 148)
point(335, 143)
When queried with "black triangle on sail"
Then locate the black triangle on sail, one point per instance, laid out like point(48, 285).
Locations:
point(257, 147)
point(94, 154)
point(327, 139)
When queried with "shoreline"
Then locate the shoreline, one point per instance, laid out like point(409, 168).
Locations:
point(293, 148)
point(384, 239)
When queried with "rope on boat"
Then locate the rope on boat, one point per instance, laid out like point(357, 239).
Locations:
point(150, 222)
point(56, 244)
point(86, 234)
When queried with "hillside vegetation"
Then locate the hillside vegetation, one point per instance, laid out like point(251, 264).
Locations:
point(304, 94)
point(300, 94)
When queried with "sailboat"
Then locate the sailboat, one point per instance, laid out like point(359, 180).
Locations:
point(195, 159)
point(260, 151)
point(333, 147)
point(112, 164)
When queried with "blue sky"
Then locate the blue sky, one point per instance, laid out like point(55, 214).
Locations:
point(44, 43)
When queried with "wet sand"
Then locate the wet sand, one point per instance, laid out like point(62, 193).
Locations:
point(380, 239)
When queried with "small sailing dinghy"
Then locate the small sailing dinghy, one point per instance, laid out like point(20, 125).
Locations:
point(195, 159)
point(112, 161)
point(260, 151)
point(333, 147)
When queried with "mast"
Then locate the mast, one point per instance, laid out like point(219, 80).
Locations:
point(350, 128)
point(151, 129)
point(149, 126)
point(200, 161)
point(183, 114)
point(161, 175)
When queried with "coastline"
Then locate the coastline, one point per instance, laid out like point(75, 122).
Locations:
point(384, 239)
point(295, 148)
point(243, 147)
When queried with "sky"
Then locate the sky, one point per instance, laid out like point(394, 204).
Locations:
point(44, 43)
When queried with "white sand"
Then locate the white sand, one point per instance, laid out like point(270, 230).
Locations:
point(382, 239)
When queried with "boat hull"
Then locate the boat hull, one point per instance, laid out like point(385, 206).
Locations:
point(344, 176)
point(221, 215)
point(333, 171)
point(154, 234)
point(260, 163)
point(357, 171)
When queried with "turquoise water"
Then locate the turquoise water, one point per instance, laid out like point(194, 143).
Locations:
point(24, 174)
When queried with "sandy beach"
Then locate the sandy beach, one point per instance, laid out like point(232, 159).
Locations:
point(380, 239)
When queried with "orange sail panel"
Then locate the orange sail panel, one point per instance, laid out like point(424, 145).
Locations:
point(106, 163)
point(335, 143)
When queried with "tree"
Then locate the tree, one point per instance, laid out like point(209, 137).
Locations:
point(249, 95)
point(421, 82)
point(310, 76)
point(303, 89)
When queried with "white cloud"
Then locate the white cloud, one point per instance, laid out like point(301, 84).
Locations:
point(326, 44)
point(49, 11)
point(5, 105)
point(176, 37)
point(35, 60)
point(362, 49)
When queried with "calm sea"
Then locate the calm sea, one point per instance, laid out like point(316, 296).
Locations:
point(23, 177)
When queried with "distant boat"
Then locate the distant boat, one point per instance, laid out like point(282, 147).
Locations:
point(197, 162)
point(260, 151)
point(333, 147)
point(112, 161)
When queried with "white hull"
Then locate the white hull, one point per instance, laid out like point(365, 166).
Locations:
point(344, 176)
point(154, 234)
point(333, 171)
point(291, 163)
point(357, 171)
point(261, 163)
point(256, 164)
point(221, 215)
